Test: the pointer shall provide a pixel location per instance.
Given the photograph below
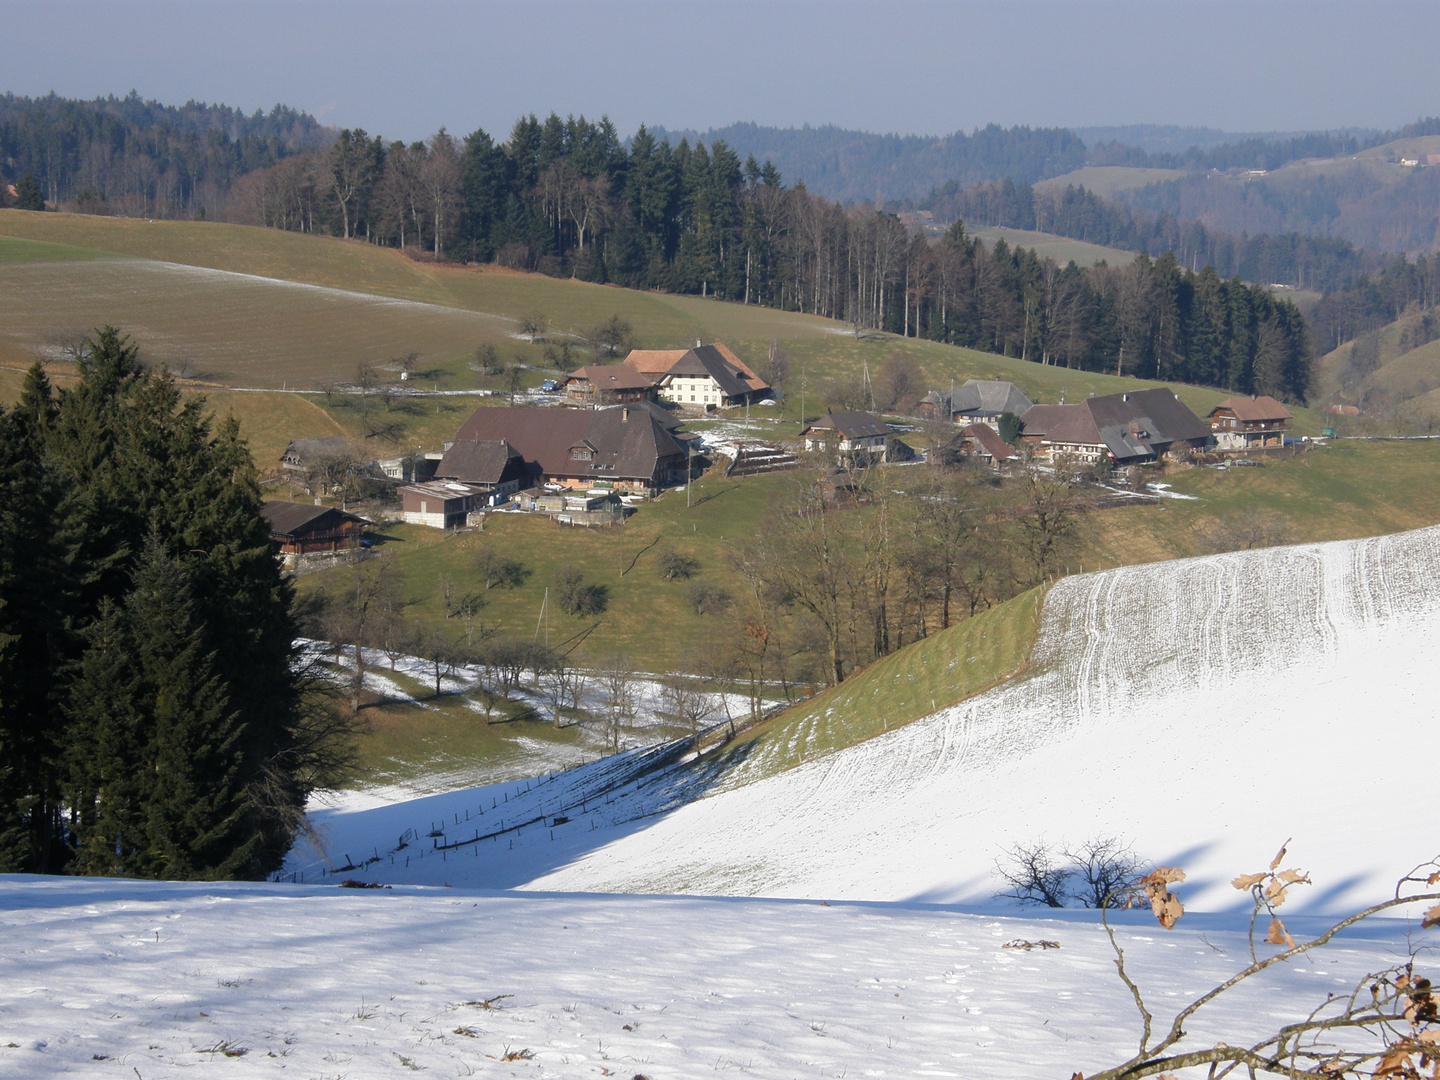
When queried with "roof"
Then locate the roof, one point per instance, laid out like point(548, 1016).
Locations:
point(443, 489)
point(663, 416)
point(1040, 419)
point(989, 440)
point(1254, 408)
point(628, 440)
point(653, 362)
point(1140, 423)
point(612, 377)
point(296, 519)
point(853, 425)
point(317, 449)
point(491, 461)
point(701, 360)
point(708, 360)
point(983, 397)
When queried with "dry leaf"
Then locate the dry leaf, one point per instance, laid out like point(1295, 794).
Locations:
point(1294, 877)
point(1167, 909)
point(1277, 899)
point(1076, 1076)
point(1163, 875)
point(1429, 1036)
point(1432, 918)
point(1433, 878)
point(1397, 1061)
point(1279, 855)
point(1248, 881)
point(1278, 935)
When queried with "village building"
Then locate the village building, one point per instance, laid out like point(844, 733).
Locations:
point(1125, 429)
point(413, 468)
point(444, 504)
point(299, 529)
point(304, 460)
point(704, 378)
point(1247, 423)
point(491, 465)
point(852, 436)
point(983, 443)
point(981, 400)
point(624, 448)
point(608, 384)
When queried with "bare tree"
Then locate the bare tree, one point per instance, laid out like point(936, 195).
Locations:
point(441, 182)
point(533, 326)
point(620, 683)
point(366, 597)
point(1034, 874)
point(688, 702)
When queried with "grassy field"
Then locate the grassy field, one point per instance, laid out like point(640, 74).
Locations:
point(1060, 248)
point(1343, 491)
point(648, 617)
point(935, 672)
point(1106, 180)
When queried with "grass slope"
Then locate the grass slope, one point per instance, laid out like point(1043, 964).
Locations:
point(1106, 180)
point(935, 672)
point(1060, 248)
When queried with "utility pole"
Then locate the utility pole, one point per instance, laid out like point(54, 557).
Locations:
point(689, 472)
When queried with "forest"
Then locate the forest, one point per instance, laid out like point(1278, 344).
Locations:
point(1297, 259)
point(140, 158)
point(156, 720)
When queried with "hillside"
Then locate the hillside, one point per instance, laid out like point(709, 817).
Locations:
point(1217, 686)
point(1060, 248)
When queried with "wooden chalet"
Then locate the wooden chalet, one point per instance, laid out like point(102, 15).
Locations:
point(1248, 423)
point(980, 442)
point(306, 529)
point(608, 384)
point(855, 436)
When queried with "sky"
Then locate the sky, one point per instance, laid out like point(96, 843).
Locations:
point(405, 69)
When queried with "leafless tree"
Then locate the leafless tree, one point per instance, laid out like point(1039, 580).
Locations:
point(365, 598)
point(440, 180)
point(620, 682)
point(688, 702)
point(533, 326)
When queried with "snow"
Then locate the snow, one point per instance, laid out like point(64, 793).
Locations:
point(120, 979)
point(1203, 710)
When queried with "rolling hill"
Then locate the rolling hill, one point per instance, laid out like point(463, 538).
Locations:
point(1194, 708)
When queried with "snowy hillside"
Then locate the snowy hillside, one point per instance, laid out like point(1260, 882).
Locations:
point(122, 980)
point(1204, 710)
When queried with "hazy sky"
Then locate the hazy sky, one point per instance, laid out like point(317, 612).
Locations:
point(403, 69)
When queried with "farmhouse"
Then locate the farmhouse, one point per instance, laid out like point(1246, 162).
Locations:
point(1243, 423)
point(853, 435)
point(706, 377)
point(625, 447)
point(982, 443)
point(304, 460)
point(980, 400)
point(306, 529)
point(491, 465)
point(608, 384)
point(1124, 428)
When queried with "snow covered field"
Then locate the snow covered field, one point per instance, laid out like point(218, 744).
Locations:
point(1204, 710)
point(128, 979)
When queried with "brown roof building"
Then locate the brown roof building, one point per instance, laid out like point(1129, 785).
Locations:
point(625, 446)
point(1126, 428)
point(307, 529)
point(705, 377)
point(1243, 423)
point(983, 442)
point(857, 436)
point(608, 384)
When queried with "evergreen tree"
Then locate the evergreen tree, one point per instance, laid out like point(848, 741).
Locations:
point(28, 195)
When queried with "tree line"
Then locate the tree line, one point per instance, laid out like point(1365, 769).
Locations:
point(153, 719)
point(140, 158)
point(1301, 260)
